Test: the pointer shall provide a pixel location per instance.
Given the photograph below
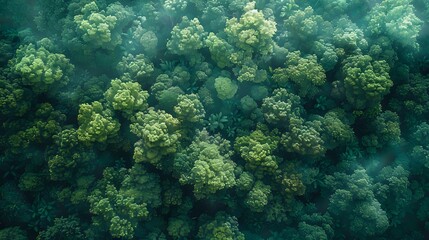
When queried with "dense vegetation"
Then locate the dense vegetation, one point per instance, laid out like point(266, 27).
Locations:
point(219, 119)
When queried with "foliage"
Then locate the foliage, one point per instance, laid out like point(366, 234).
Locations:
point(225, 88)
point(14, 206)
point(353, 201)
point(385, 131)
point(96, 124)
point(186, 37)
point(412, 98)
point(93, 28)
point(303, 139)
point(306, 73)
point(216, 122)
point(252, 32)
point(159, 134)
point(221, 119)
point(116, 211)
point(189, 108)
point(13, 233)
point(219, 50)
point(258, 196)
point(127, 97)
point(45, 123)
point(258, 149)
point(348, 36)
point(281, 107)
point(39, 68)
point(12, 99)
point(179, 227)
point(64, 228)
point(304, 25)
point(335, 130)
point(206, 164)
point(420, 150)
point(135, 68)
point(365, 81)
point(397, 20)
point(221, 227)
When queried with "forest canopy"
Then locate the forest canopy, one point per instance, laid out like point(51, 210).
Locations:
point(220, 119)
